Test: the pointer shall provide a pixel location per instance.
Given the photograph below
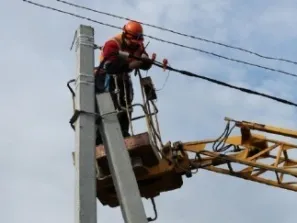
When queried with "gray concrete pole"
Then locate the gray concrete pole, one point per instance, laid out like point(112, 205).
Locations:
point(85, 185)
point(119, 162)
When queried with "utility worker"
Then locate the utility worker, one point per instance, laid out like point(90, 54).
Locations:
point(115, 60)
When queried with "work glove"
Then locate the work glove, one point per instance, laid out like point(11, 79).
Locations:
point(135, 64)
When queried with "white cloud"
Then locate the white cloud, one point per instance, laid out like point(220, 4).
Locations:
point(37, 172)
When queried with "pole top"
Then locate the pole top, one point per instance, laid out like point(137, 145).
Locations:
point(85, 34)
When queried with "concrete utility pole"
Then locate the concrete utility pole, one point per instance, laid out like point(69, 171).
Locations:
point(119, 162)
point(85, 185)
point(118, 158)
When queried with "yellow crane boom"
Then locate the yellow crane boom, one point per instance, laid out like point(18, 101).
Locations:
point(251, 156)
point(248, 156)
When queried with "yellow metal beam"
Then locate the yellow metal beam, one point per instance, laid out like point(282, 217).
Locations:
point(249, 156)
point(264, 128)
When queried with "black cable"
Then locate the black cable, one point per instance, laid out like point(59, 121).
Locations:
point(223, 57)
point(179, 33)
point(187, 73)
point(150, 219)
point(220, 144)
point(70, 13)
point(180, 71)
point(165, 41)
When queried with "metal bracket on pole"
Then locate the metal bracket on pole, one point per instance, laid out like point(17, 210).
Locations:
point(119, 162)
point(85, 185)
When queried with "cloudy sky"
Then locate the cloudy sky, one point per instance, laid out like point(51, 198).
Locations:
point(37, 174)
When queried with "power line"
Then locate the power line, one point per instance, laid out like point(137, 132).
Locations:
point(165, 41)
point(179, 33)
point(70, 13)
point(186, 73)
point(246, 90)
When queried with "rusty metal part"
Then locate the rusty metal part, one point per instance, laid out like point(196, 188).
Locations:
point(138, 146)
point(154, 175)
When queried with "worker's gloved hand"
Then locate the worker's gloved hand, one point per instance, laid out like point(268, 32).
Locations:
point(135, 64)
point(147, 60)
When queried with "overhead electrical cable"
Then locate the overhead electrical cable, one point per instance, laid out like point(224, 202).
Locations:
point(246, 90)
point(179, 33)
point(163, 40)
point(183, 72)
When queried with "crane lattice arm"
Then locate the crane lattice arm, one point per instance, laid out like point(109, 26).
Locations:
point(249, 156)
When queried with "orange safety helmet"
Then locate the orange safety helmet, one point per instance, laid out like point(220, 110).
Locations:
point(133, 32)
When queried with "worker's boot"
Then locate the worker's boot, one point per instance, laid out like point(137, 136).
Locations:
point(138, 167)
point(126, 134)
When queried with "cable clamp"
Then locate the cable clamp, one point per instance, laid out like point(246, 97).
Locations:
point(87, 79)
point(77, 113)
